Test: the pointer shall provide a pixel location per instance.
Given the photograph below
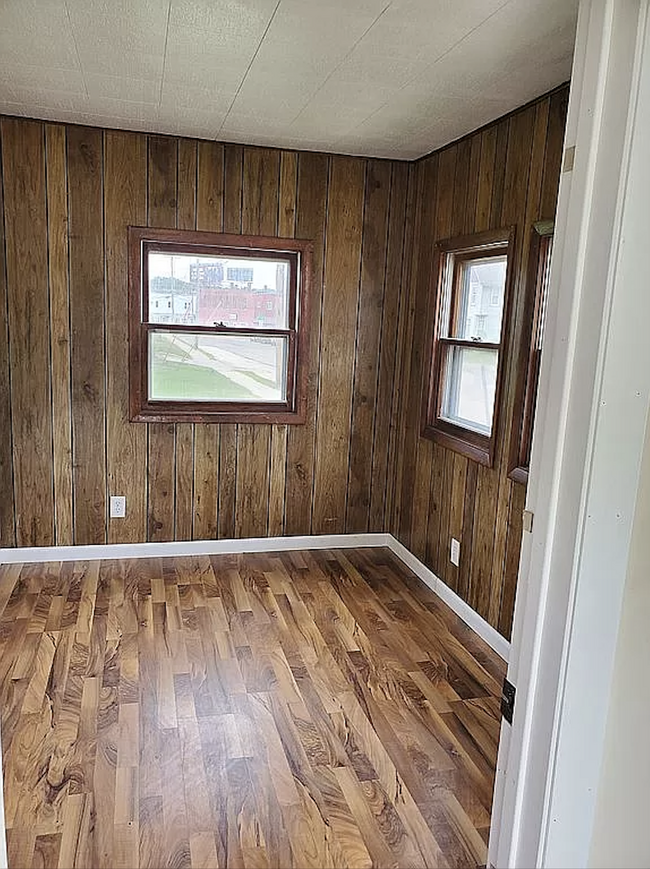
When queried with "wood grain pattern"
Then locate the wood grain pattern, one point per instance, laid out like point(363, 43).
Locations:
point(312, 202)
point(23, 159)
point(358, 462)
point(161, 478)
point(8, 503)
point(370, 307)
point(506, 174)
point(285, 710)
point(340, 299)
point(85, 181)
point(125, 190)
point(57, 234)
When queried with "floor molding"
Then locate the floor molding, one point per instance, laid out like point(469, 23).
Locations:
point(267, 544)
point(191, 547)
point(471, 618)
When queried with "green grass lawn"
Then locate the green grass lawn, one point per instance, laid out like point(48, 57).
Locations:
point(179, 380)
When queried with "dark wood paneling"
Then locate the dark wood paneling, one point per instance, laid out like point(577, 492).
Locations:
point(125, 203)
point(358, 462)
point(190, 481)
point(161, 213)
point(388, 376)
point(23, 163)
point(85, 196)
point(506, 174)
point(368, 327)
point(310, 223)
point(57, 234)
point(7, 503)
point(340, 299)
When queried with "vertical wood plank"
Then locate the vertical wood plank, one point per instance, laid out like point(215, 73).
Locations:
point(57, 233)
point(7, 503)
point(85, 193)
point(125, 173)
point(311, 205)
point(368, 333)
point(209, 216)
point(340, 294)
point(161, 461)
point(397, 459)
point(384, 423)
point(260, 187)
point(23, 160)
point(557, 109)
point(278, 468)
point(184, 482)
point(232, 214)
point(440, 227)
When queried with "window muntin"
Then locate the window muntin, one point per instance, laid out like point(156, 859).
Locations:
point(217, 326)
point(464, 364)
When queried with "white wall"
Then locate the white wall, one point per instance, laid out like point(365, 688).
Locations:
point(620, 835)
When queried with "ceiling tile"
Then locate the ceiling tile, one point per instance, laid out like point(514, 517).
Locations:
point(383, 77)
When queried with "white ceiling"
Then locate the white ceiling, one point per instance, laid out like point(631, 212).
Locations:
point(388, 78)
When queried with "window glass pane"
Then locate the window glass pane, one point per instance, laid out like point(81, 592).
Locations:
point(202, 367)
point(204, 290)
point(469, 382)
point(480, 300)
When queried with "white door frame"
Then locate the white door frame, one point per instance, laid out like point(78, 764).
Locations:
point(593, 405)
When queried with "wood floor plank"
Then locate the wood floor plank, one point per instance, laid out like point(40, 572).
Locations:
point(295, 709)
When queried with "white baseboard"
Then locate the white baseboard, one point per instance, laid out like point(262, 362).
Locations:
point(266, 544)
point(471, 618)
point(29, 554)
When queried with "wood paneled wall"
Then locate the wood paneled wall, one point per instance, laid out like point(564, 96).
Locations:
point(358, 464)
point(68, 194)
point(506, 174)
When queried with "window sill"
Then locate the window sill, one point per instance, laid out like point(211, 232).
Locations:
point(519, 475)
point(264, 417)
point(469, 444)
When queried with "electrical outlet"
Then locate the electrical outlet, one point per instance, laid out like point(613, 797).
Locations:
point(118, 507)
point(455, 552)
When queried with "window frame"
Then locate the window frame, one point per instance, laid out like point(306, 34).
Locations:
point(528, 357)
point(461, 249)
point(299, 254)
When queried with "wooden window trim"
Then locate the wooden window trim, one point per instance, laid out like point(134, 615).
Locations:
point(479, 447)
point(298, 252)
point(528, 357)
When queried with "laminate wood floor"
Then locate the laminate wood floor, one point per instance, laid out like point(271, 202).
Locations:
point(301, 709)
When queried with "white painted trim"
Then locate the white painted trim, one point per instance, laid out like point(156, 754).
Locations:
point(30, 554)
point(266, 544)
point(593, 398)
point(471, 618)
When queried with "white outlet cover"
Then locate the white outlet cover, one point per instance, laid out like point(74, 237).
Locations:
point(455, 551)
point(117, 507)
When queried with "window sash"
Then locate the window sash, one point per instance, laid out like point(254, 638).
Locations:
point(451, 257)
point(177, 405)
point(292, 259)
